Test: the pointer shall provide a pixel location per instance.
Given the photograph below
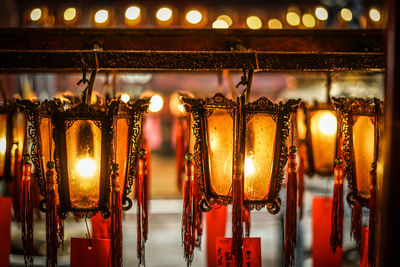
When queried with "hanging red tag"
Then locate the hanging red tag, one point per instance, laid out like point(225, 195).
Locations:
point(364, 247)
point(96, 255)
point(100, 227)
point(251, 252)
point(5, 224)
point(215, 227)
point(322, 253)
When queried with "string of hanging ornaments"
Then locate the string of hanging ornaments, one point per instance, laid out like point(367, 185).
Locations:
point(86, 157)
point(253, 136)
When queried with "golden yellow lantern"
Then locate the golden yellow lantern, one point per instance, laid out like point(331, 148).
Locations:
point(235, 136)
point(317, 133)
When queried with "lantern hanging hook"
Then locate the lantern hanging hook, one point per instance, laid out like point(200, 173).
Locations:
point(246, 80)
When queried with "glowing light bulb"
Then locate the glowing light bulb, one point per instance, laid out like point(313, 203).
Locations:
point(274, 24)
point(374, 14)
point(86, 167)
point(346, 14)
point(156, 103)
point(101, 16)
point(125, 98)
point(226, 18)
point(220, 24)
point(164, 14)
point(132, 13)
point(3, 145)
point(321, 13)
point(69, 14)
point(249, 168)
point(194, 16)
point(308, 20)
point(293, 18)
point(328, 124)
point(36, 14)
point(254, 22)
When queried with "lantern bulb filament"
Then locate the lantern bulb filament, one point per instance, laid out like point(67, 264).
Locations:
point(86, 167)
point(328, 124)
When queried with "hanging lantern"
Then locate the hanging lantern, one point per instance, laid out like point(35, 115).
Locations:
point(360, 122)
point(317, 131)
point(240, 153)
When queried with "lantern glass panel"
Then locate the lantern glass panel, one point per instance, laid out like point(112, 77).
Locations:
point(45, 139)
point(3, 142)
point(301, 125)
point(220, 150)
point(121, 147)
point(83, 140)
point(364, 144)
point(259, 156)
point(18, 136)
point(323, 126)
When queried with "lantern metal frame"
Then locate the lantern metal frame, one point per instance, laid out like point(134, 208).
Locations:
point(200, 110)
point(9, 108)
point(133, 112)
point(307, 109)
point(347, 109)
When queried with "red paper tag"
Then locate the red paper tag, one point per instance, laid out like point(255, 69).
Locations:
point(364, 247)
point(322, 254)
point(97, 256)
point(251, 252)
point(215, 227)
point(5, 223)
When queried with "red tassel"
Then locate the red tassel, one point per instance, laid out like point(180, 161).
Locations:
point(51, 217)
point(356, 222)
point(142, 205)
point(372, 222)
point(237, 216)
point(247, 222)
point(198, 213)
point(188, 230)
point(26, 213)
point(302, 152)
point(179, 157)
point(337, 207)
point(17, 184)
point(291, 208)
point(116, 220)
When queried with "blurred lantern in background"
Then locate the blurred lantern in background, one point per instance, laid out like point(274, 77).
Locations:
point(240, 153)
point(360, 126)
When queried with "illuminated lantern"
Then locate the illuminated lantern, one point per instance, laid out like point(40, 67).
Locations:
point(86, 143)
point(240, 153)
point(317, 129)
point(360, 123)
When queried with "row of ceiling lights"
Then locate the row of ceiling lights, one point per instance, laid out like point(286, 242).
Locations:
point(164, 16)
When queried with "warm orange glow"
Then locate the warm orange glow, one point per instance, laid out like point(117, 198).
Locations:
point(125, 98)
point(194, 16)
point(346, 14)
point(321, 13)
point(220, 24)
point(293, 18)
point(226, 18)
point(132, 13)
point(156, 103)
point(69, 14)
point(164, 14)
point(374, 14)
point(253, 22)
point(101, 16)
point(249, 168)
point(328, 124)
point(274, 24)
point(35, 14)
point(86, 167)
